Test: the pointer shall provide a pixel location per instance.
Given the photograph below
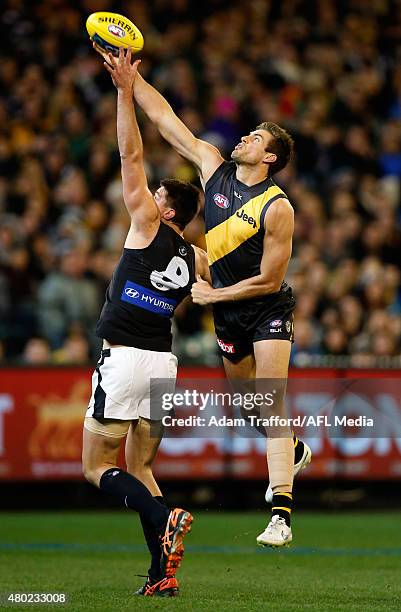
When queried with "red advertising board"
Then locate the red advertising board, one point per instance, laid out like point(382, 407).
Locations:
point(42, 409)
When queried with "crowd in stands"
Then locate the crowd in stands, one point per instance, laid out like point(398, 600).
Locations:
point(330, 72)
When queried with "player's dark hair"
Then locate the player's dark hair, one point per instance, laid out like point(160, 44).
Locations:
point(282, 145)
point(184, 198)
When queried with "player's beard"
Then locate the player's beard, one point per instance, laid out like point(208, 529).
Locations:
point(236, 156)
point(239, 158)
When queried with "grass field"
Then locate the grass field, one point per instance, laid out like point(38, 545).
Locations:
point(338, 562)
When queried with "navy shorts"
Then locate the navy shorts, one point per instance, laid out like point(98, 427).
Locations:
point(238, 325)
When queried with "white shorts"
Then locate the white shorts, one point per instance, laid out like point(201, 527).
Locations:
point(128, 383)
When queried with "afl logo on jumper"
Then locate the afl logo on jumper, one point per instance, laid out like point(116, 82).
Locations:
point(220, 200)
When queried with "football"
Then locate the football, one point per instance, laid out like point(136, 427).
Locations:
point(111, 31)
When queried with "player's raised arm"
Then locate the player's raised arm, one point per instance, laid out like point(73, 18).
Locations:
point(137, 196)
point(202, 154)
point(277, 245)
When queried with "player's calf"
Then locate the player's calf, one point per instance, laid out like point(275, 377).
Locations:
point(302, 458)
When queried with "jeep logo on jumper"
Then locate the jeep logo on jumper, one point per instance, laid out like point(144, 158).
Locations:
point(221, 200)
point(242, 215)
point(227, 347)
point(142, 297)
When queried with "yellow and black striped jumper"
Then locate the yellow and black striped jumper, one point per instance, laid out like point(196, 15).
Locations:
point(234, 217)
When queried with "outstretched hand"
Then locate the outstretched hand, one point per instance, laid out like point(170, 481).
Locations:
point(122, 72)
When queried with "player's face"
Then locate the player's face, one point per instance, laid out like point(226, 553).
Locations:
point(253, 149)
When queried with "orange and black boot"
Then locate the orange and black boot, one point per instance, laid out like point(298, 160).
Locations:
point(165, 587)
point(172, 541)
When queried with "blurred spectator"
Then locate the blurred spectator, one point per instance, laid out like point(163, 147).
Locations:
point(75, 350)
point(37, 352)
point(328, 72)
point(66, 297)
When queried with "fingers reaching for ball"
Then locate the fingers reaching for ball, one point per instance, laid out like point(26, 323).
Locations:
point(122, 71)
point(113, 58)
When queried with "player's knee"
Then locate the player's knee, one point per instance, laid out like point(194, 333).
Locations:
point(92, 473)
point(89, 474)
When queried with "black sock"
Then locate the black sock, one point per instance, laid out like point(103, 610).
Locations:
point(282, 505)
point(134, 495)
point(298, 449)
point(152, 540)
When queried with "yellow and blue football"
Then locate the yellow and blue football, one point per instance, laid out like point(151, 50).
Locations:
point(111, 31)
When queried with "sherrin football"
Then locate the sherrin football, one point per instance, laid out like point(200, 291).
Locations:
point(112, 31)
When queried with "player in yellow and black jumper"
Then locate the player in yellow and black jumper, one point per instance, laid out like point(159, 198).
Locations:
point(235, 229)
point(249, 224)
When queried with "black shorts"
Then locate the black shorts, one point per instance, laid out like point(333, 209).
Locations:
point(238, 325)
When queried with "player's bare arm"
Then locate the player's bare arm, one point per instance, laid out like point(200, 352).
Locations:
point(137, 196)
point(203, 155)
point(277, 245)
